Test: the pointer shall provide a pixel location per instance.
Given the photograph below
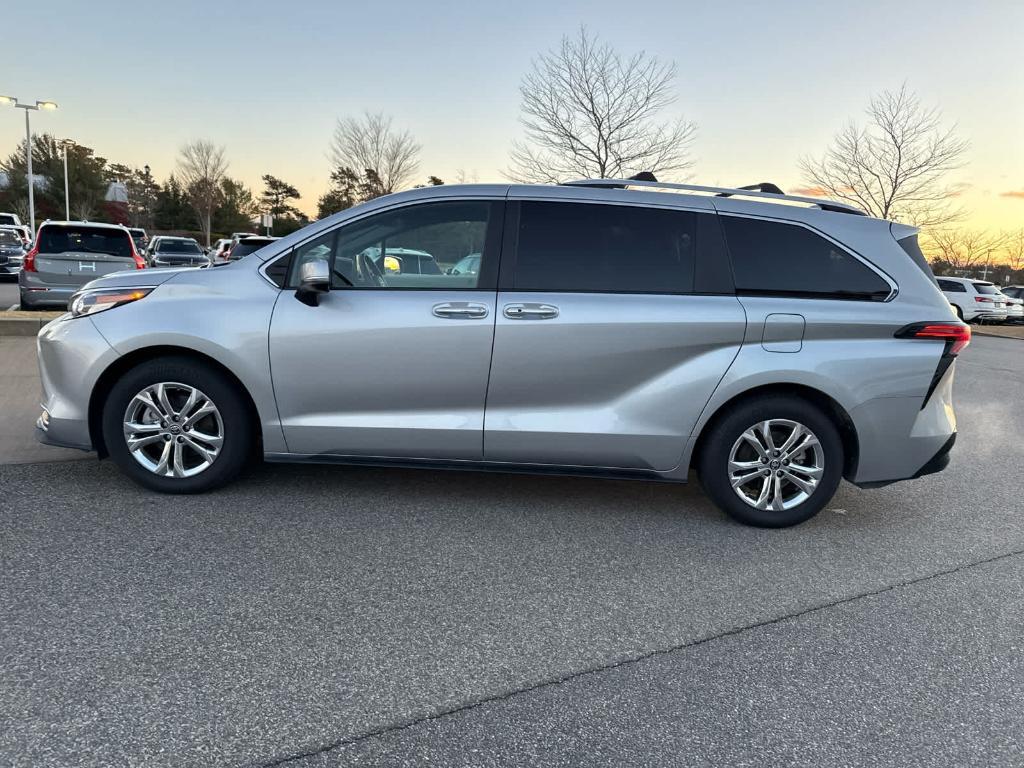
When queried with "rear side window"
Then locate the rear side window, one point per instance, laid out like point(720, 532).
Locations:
point(114, 242)
point(985, 288)
point(602, 248)
point(775, 259)
point(951, 285)
point(911, 247)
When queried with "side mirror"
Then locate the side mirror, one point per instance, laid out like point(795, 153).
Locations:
point(314, 280)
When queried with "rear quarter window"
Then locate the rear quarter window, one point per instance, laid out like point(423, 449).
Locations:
point(777, 259)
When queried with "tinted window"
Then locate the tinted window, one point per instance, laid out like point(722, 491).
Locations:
point(245, 248)
point(85, 240)
point(986, 288)
point(410, 247)
point(950, 285)
point(913, 250)
point(784, 259)
point(178, 246)
point(6, 218)
point(604, 248)
point(1014, 292)
point(9, 238)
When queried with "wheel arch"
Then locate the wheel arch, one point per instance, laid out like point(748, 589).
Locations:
point(123, 364)
point(838, 414)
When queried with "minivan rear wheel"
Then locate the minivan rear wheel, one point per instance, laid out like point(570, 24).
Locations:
point(177, 425)
point(772, 461)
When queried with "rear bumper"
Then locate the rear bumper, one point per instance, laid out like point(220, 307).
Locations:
point(901, 438)
point(37, 293)
point(936, 463)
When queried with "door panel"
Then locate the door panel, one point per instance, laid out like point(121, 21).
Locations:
point(390, 373)
point(609, 380)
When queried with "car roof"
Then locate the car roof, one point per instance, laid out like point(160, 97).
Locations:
point(97, 224)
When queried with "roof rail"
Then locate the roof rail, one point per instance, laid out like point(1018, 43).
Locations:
point(759, 191)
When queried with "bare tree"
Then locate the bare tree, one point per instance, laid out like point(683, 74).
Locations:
point(893, 167)
point(590, 112)
point(201, 167)
point(1014, 252)
point(964, 249)
point(369, 143)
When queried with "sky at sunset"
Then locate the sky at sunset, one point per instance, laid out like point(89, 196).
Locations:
point(766, 82)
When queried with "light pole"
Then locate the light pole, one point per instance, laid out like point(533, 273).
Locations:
point(67, 198)
point(45, 105)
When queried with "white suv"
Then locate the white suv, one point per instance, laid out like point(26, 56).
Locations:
point(974, 300)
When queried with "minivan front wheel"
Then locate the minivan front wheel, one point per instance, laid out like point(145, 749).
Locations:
point(177, 425)
point(772, 461)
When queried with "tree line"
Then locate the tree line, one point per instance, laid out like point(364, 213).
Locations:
point(587, 110)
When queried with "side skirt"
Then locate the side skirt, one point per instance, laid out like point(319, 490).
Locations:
point(607, 473)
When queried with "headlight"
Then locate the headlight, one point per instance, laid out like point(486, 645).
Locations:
point(101, 299)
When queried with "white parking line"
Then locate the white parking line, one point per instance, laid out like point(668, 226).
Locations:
point(13, 308)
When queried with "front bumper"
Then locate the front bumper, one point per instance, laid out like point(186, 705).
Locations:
point(72, 354)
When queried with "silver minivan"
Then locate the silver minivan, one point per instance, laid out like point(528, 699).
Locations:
point(68, 254)
point(774, 344)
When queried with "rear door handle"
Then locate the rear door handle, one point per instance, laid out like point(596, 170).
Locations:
point(530, 311)
point(460, 310)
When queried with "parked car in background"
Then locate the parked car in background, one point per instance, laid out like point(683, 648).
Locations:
point(217, 251)
point(467, 265)
point(974, 300)
point(140, 238)
point(1014, 306)
point(68, 254)
point(12, 251)
point(10, 219)
point(404, 261)
point(776, 348)
point(178, 252)
point(21, 231)
point(247, 245)
point(1013, 291)
point(235, 237)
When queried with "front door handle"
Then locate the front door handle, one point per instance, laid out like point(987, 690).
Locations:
point(530, 311)
point(460, 310)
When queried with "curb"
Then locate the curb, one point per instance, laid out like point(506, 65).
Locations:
point(998, 334)
point(18, 324)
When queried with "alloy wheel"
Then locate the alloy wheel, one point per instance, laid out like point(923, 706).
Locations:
point(776, 464)
point(173, 430)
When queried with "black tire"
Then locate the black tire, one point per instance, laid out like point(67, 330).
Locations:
point(238, 429)
point(713, 463)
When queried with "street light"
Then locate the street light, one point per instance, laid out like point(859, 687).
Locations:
point(65, 143)
point(39, 105)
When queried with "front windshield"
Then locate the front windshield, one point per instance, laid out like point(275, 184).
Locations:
point(9, 238)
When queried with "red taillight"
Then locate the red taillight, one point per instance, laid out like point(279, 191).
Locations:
point(29, 263)
point(956, 335)
point(984, 299)
point(140, 263)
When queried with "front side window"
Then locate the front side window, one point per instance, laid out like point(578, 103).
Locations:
point(776, 259)
point(599, 248)
point(411, 247)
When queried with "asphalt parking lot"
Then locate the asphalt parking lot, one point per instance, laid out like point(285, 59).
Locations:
point(327, 616)
point(8, 291)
